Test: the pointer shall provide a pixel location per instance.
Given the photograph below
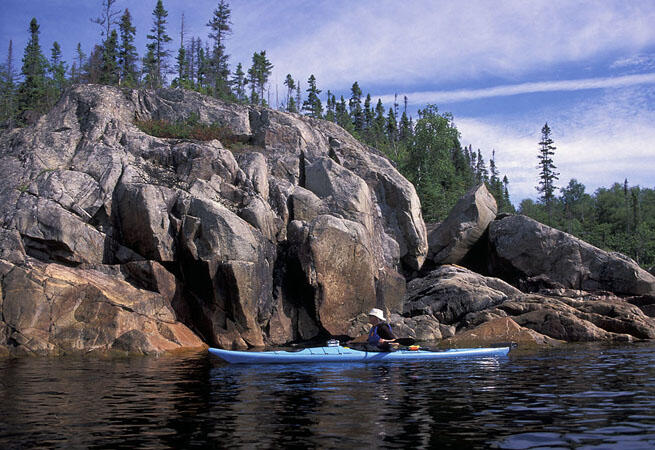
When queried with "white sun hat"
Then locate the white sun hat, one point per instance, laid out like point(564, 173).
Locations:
point(377, 313)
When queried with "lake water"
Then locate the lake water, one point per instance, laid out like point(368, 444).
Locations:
point(576, 396)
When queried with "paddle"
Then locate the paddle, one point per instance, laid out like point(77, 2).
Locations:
point(401, 341)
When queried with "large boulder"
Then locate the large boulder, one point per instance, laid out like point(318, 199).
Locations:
point(449, 242)
point(54, 309)
point(523, 248)
point(451, 292)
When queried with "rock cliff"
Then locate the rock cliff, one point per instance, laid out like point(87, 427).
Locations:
point(285, 234)
point(284, 229)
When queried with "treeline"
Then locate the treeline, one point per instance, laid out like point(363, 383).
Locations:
point(619, 218)
point(426, 151)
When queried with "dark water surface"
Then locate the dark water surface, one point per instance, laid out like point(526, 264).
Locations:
point(576, 396)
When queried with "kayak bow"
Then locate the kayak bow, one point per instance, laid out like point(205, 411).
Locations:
point(345, 354)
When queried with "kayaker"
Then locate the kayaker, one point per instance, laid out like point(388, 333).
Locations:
point(380, 336)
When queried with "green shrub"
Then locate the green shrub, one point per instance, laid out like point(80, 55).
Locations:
point(190, 128)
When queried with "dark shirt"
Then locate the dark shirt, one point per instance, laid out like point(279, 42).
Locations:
point(384, 332)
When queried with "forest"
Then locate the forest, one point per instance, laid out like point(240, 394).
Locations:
point(426, 149)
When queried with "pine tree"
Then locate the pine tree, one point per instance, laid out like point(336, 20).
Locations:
point(110, 71)
point(218, 66)
point(343, 117)
point(32, 92)
point(392, 127)
point(181, 61)
point(8, 90)
point(58, 71)
point(127, 55)
point(156, 61)
point(312, 106)
point(331, 109)
point(258, 77)
point(77, 71)
point(291, 87)
point(239, 84)
point(355, 106)
point(481, 173)
point(547, 174)
point(379, 124)
point(369, 115)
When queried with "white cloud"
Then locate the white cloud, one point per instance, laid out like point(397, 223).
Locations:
point(599, 142)
point(418, 98)
point(409, 43)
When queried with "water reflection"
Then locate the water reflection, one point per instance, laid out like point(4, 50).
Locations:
point(576, 396)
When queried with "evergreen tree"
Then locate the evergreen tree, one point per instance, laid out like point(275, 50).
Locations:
point(481, 173)
point(32, 94)
point(58, 71)
point(156, 61)
point(369, 114)
point(110, 71)
point(258, 77)
point(291, 87)
point(312, 106)
point(547, 174)
point(239, 84)
point(77, 71)
point(8, 90)
point(405, 128)
point(355, 106)
point(392, 127)
point(93, 66)
point(343, 117)
point(331, 109)
point(218, 66)
point(181, 61)
point(379, 124)
point(127, 55)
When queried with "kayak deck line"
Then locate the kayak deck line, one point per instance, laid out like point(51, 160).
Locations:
point(345, 354)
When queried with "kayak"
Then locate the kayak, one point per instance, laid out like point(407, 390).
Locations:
point(335, 354)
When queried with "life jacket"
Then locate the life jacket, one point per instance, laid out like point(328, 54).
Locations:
point(373, 336)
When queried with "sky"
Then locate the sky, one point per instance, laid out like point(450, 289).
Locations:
point(502, 68)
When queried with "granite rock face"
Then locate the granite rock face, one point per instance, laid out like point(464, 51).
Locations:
point(450, 242)
point(522, 248)
point(262, 239)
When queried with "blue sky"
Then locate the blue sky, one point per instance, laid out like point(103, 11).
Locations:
point(503, 68)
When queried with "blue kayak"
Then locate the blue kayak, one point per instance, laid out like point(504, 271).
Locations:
point(334, 354)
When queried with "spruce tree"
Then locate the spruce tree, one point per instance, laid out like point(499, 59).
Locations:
point(181, 61)
point(369, 114)
point(156, 61)
point(110, 71)
point(355, 106)
point(481, 173)
point(392, 126)
point(8, 90)
point(239, 84)
point(258, 76)
point(312, 106)
point(218, 67)
point(331, 109)
point(291, 87)
point(379, 124)
point(127, 55)
point(77, 71)
point(547, 174)
point(32, 92)
point(58, 71)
